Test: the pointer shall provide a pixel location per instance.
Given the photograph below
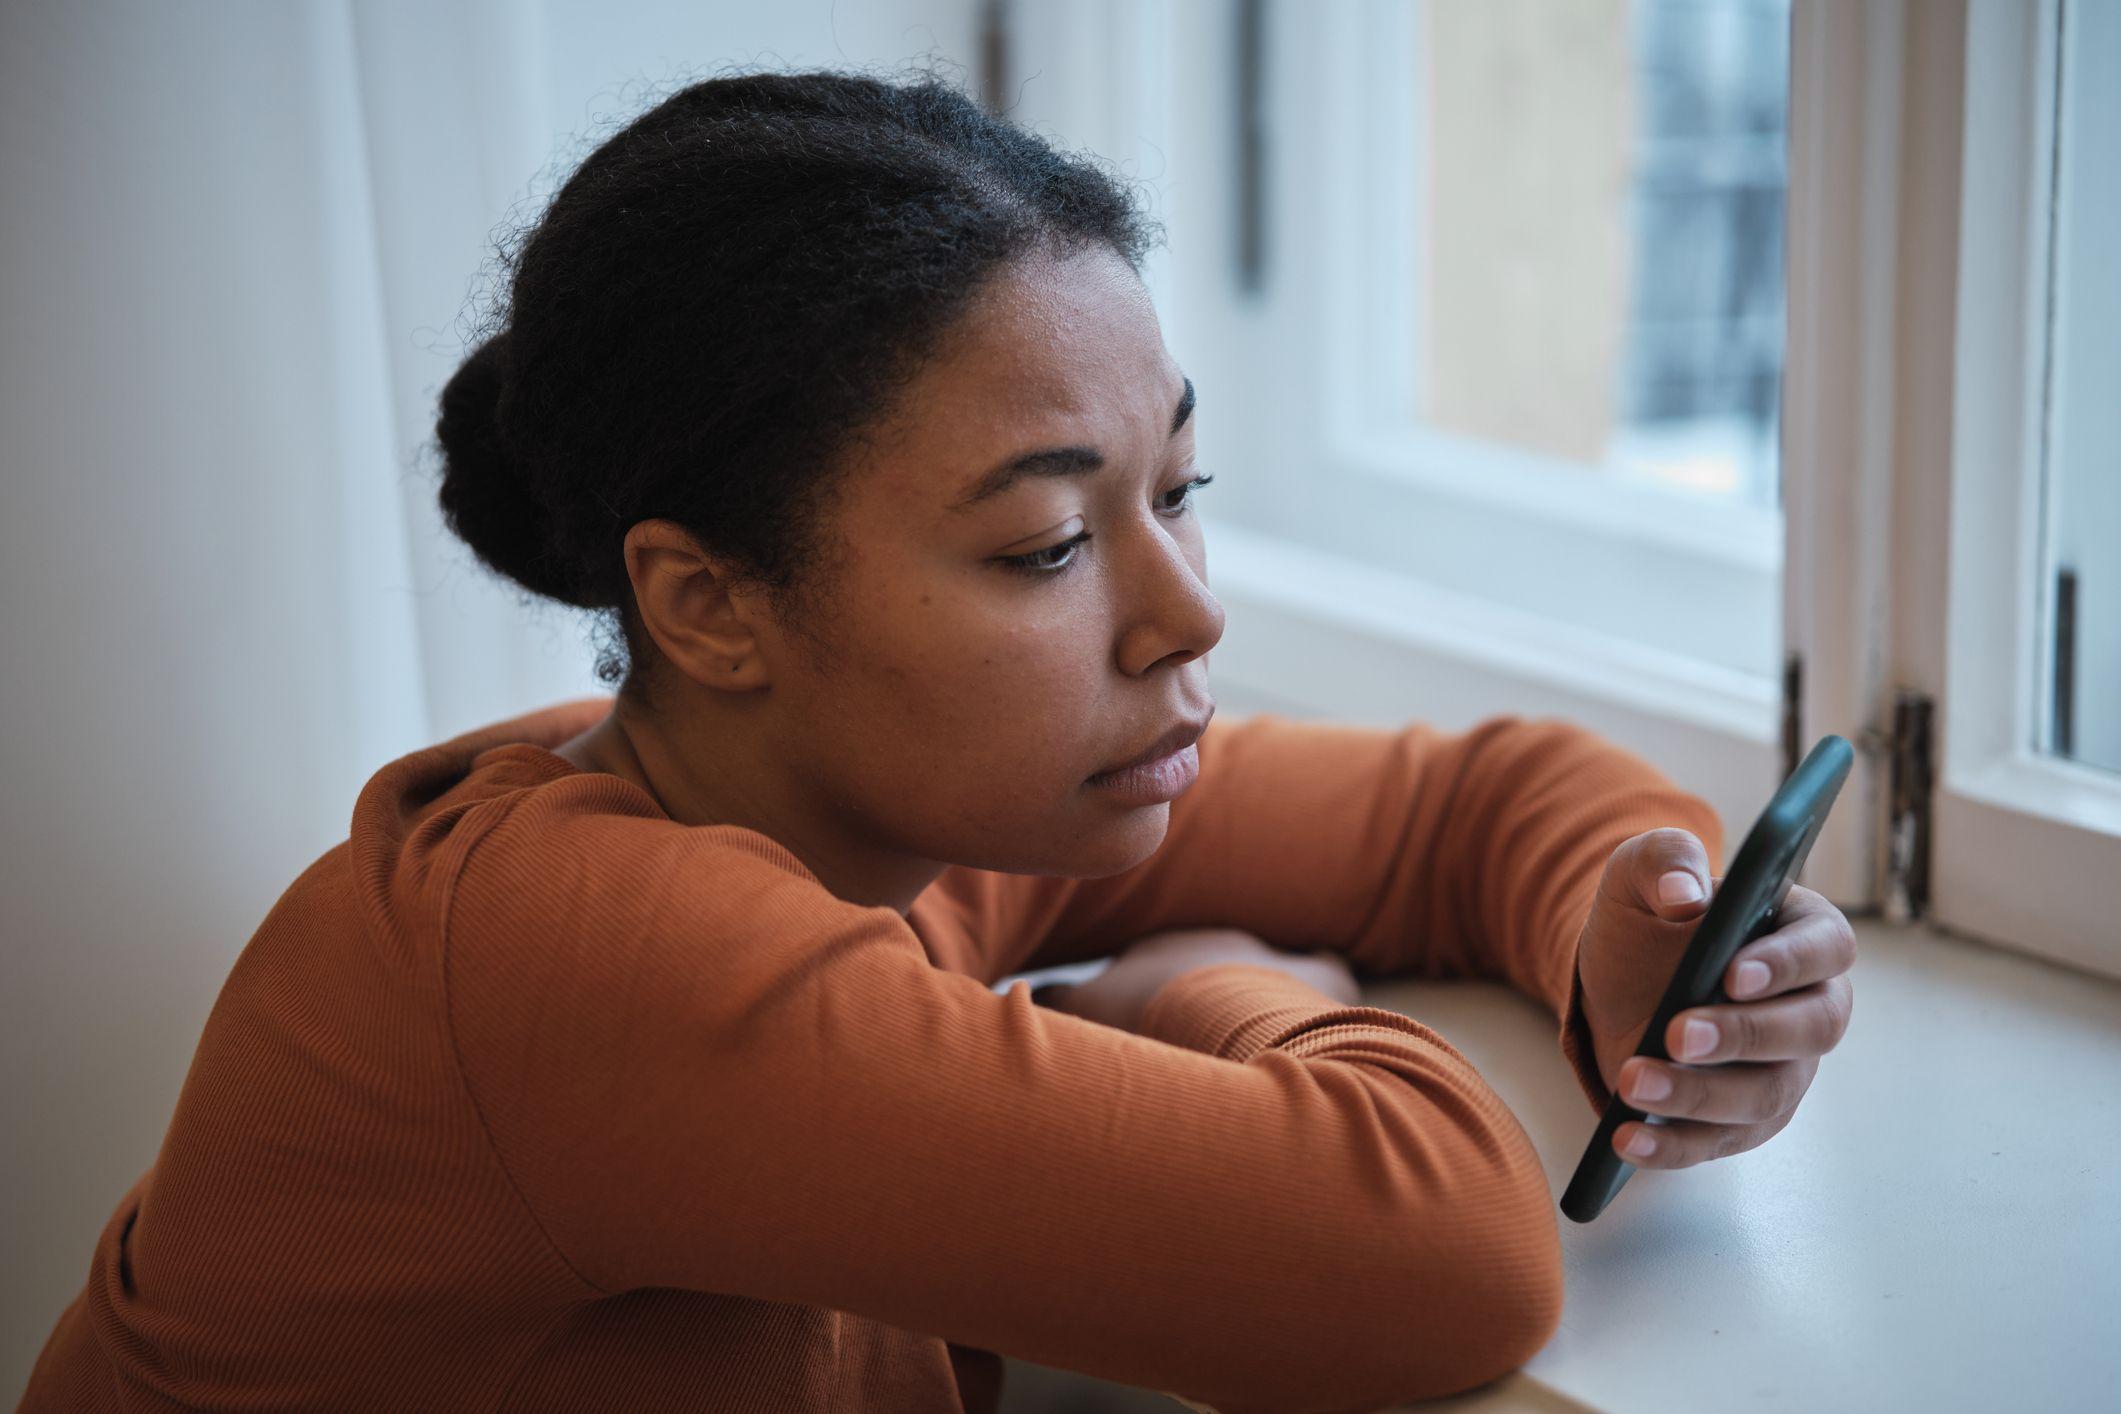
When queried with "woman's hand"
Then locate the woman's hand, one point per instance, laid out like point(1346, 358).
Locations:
point(1791, 1002)
point(1117, 995)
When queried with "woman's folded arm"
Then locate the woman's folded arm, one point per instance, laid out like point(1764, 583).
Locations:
point(700, 1070)
point(1410, 850)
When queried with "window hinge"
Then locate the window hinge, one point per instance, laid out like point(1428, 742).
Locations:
point(1911, 764)
point(1908, 753)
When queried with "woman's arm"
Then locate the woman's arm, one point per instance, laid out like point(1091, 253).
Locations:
point(701, 1070)
point(1410, 850)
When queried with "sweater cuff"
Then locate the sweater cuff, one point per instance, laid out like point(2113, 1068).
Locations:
point(1238, 1009)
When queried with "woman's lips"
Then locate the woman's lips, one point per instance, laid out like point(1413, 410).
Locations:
point(1153, 782)
point(1183, 734)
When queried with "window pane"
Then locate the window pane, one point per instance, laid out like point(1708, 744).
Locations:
point(1600, 269)
point(2081, 562)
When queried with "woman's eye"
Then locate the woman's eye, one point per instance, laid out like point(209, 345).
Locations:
point(1185, 492)
point(1039, 563)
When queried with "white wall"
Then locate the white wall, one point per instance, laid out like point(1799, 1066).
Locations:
point(235, 242)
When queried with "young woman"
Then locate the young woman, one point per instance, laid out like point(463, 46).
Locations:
point(643, 1053)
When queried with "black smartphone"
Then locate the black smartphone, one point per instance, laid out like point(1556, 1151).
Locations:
point(1742, 909)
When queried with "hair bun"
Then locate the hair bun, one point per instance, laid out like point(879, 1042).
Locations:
point(486, 494)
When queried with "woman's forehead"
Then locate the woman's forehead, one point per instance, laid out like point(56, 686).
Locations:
point(1045, 357)
point(948, 458)
point(998, 403)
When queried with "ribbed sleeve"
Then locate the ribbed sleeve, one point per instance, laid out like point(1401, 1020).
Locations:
point(1410, 850)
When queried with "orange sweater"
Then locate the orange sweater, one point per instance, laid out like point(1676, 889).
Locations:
point(528, 1097)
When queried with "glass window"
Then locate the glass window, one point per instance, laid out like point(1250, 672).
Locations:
point(1599, 277)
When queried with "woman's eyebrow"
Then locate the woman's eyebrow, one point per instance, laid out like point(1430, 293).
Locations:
point(1056, 461)
point(1185, 408)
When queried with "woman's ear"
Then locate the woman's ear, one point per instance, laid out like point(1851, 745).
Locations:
point(686, 604)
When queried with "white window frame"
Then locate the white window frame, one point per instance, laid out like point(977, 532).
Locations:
point(1840, 383)
point(2027, 845)
point(1912, 429)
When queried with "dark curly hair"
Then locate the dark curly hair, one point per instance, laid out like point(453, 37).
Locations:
point(717, 302)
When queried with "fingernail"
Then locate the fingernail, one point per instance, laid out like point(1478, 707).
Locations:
point(1642, 1144)
point(1678, 887)
point(1698, 1039)
point(1752, 976)
point(1651, 1085)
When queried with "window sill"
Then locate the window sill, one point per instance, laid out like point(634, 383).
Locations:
point(1399, 616)
point(1936, 1228)
point(1317, 635)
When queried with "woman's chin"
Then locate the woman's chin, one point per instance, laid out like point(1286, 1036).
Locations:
point(1129, 838)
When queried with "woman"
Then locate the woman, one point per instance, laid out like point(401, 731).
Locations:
point(644, 1053)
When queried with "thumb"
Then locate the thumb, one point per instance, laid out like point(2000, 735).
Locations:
point(1664, 873)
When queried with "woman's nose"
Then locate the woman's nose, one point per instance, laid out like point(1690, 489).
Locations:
point(1169, 611)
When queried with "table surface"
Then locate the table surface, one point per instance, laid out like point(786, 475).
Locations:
point(1938, 1227)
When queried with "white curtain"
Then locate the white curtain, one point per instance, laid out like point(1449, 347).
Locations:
point(237, 245)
